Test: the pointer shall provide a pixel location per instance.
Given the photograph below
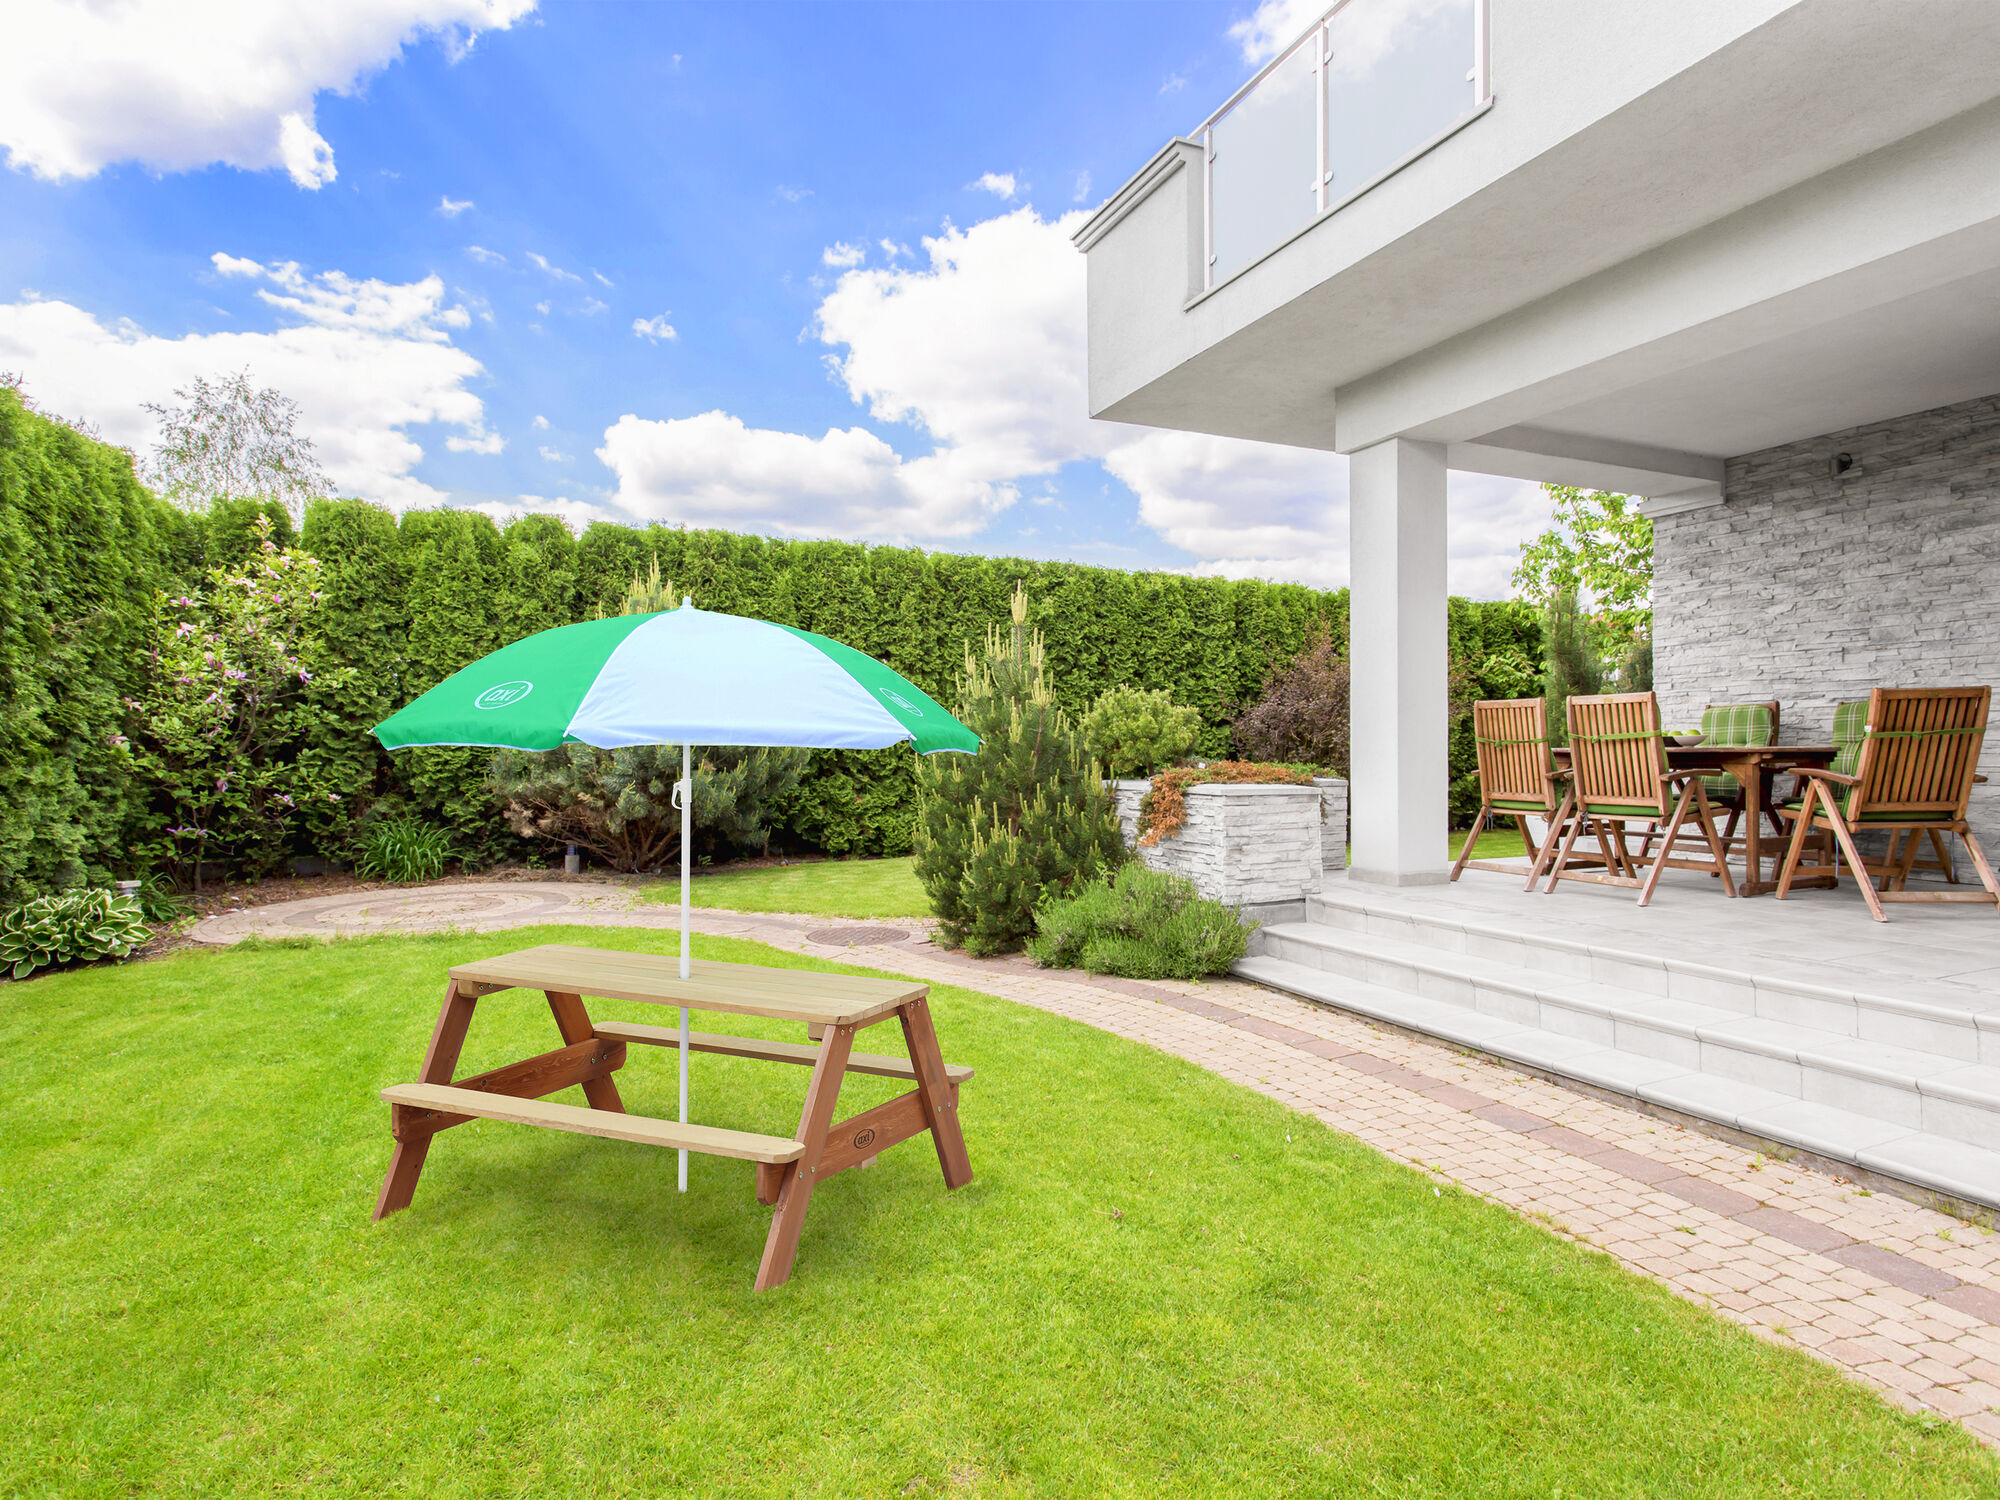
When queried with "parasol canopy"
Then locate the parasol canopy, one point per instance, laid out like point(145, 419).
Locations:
point(680, 677)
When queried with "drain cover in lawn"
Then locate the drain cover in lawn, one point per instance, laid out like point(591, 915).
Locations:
point(855, 937)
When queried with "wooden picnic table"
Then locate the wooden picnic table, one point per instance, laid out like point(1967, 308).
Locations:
point(1753, 766)
point(833, 1007)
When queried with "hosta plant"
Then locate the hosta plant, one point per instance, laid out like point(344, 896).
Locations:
point(74, 927)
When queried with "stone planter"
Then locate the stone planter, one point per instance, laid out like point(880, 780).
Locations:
point(1264, 848)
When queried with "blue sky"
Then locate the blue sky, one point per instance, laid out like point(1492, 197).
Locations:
point(795, 269)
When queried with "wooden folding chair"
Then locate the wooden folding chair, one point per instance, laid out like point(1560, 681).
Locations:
point(1518, 779)
point(1734, 724)
point(1914, 776)
point(1619, 775)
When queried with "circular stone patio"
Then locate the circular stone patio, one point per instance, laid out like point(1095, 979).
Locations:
point(495, 907)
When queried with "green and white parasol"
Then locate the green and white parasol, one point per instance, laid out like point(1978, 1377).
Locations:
point(680, 677)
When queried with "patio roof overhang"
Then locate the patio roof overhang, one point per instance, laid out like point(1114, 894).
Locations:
point(1651, 253)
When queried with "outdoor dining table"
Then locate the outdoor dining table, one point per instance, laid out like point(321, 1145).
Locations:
point(1753, 766)
point(834, 1007)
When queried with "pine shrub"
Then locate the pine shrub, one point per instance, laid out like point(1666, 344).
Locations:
point(1574, 668)
point(1141, 923)
point(1133, 732)
point(1025, 819)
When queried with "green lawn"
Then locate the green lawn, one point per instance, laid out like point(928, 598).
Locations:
point(827, 888)
point(1159, 1284)
point(1496, 843)
point(887, 887)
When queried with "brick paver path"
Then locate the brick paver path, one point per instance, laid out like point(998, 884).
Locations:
point(1900, 1296)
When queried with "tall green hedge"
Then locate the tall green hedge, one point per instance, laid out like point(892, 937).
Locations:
point(423, 597)
point(82, 547)
point(414, 599)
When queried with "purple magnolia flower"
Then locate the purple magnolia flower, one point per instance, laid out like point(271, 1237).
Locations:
point(115, 739)
point(285, 798)
point(184, 629)
point(304, 675)
point(333, 796)
point(222, 783)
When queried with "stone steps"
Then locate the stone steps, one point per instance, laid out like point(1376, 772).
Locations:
point(1886, 1082)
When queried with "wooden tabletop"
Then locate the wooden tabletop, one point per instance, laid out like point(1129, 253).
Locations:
point(1694, 757)
point(744, 989)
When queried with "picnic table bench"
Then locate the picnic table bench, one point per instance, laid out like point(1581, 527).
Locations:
point(833, 1007)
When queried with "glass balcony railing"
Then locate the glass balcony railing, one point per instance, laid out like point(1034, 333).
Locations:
point(1371, 85)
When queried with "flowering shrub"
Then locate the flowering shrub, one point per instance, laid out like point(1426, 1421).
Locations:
point(228, 703)
point(75, 927)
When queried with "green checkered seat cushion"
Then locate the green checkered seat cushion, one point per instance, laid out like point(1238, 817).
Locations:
point(1734, 724)
point(1850, 732)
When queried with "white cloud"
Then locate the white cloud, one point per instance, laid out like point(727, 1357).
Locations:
point(983, 349)
point(476, 442)
point(365, 360)
point(575, 514)
point(1366, 32)
point(893, 250)
point(541, 423)
point(332, 299)
point(451, 208)
point(555, 271)
point(542, 308)
point(1243, 509)
point(550, 455)
point(1000, 184)
point(606, 280)
point(1082, 187)
point(176, 86)
point(794, 194)
point(842, 255)
point(655, 329)
point(484, 256)
point(1273, 26)
point(1174, 84)
point(592, 307)
point(713, 470)
point(978, 353)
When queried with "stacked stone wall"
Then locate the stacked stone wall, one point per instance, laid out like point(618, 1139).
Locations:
point(1248, 845)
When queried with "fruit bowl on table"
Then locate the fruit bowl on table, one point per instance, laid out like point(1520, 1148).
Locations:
point(1686, 741)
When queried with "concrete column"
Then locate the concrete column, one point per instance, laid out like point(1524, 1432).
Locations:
point(1401, 744)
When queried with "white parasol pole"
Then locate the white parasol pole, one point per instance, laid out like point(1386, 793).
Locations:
point(686, 790)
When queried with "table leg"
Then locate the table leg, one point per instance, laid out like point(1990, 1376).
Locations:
point(934, 1091)
point(406, 1162)
point(573, 1021)
point(796, 1185)
point(1750, 776)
